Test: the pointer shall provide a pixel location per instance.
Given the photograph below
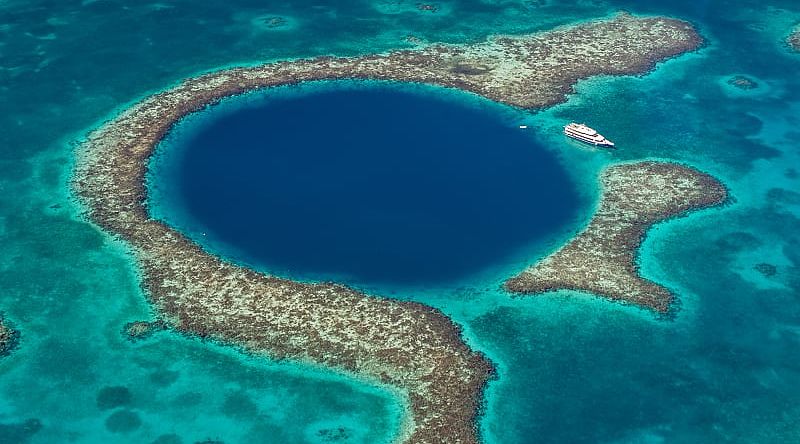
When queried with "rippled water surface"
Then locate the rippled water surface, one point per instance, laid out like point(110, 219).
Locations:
point(571, 369)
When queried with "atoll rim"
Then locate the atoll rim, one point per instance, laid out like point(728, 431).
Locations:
point(407, 345)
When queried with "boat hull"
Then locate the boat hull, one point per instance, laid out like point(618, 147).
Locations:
point(604, 144)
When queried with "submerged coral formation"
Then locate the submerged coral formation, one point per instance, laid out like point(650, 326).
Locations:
point(794, 38)
point(602, 258)
point(407, 345)
point(137, 330)
point(743, 82)
point(8, 338)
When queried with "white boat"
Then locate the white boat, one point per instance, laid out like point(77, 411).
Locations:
point(579, 131)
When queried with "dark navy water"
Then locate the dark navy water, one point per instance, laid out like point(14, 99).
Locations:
point(373, 184)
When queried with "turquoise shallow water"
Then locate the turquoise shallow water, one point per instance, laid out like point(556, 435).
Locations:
point(571, 369)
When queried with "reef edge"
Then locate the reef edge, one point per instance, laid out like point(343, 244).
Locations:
point(602, 259)
point(407, 345)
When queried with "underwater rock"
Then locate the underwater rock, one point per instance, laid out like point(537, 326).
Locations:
point(742, 82)
point(794, 39)
point(412, 39)
point(139, 330)
point(113, 397)
point(768, 270)
point(274, 22)
point(8, 338)
point(407, 345)
point(602, 259)
point(339, 434)
point(239, 405)
point(123, 421)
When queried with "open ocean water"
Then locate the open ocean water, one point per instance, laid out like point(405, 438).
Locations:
point(571, 369)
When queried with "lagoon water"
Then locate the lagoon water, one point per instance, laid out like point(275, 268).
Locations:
point(367, 183)
point(571, 368)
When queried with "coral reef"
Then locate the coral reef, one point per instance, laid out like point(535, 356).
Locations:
point(742, 82)
point(602, 258)
point(768, 270)
point(407, 345)
point(8, 338)
point(794, 39)
point(138, 330)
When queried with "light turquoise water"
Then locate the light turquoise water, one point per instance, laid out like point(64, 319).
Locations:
point(571, 369)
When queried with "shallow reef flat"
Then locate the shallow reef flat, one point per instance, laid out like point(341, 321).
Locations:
point(8, 338)
point(602, 258)
point(406, 345)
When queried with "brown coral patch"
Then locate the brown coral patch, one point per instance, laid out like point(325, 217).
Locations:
point(602, 259)
point(8, 338)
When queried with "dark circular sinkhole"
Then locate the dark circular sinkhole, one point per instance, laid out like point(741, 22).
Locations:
point(369, 184)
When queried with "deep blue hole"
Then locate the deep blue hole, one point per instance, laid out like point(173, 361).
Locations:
point(371, 185)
